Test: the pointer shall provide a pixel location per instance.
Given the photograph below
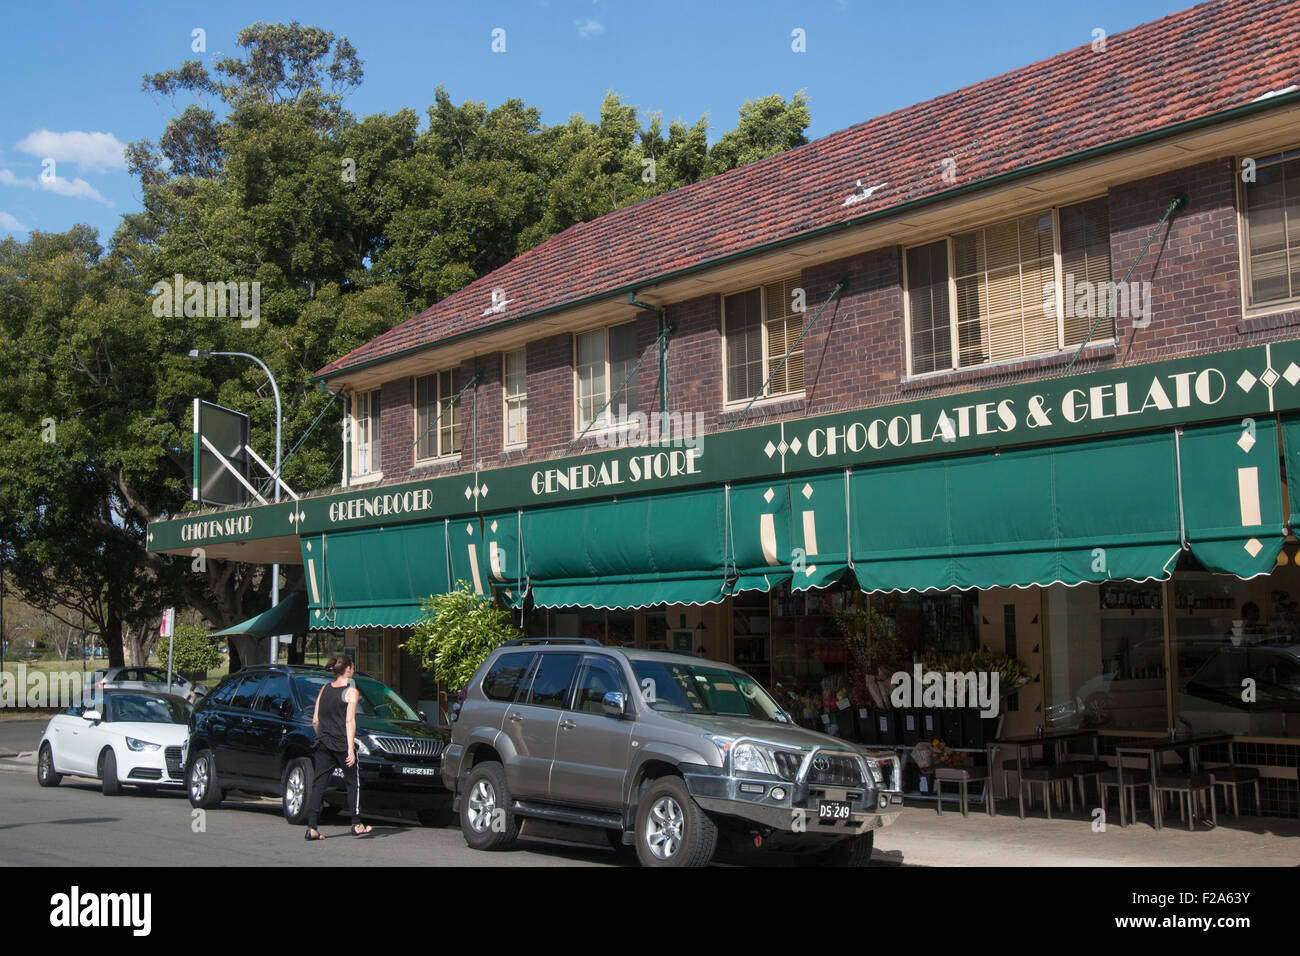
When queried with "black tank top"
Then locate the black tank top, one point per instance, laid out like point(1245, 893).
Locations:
point(332, 715)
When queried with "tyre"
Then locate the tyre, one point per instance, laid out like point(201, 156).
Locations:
point(485, 816)
point(295, 790)
point(108, 774)
point(671, 828)
point(46, 775)
point(201, 781)
point(853, 851)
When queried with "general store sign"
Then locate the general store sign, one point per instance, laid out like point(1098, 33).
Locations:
point(1255, 381)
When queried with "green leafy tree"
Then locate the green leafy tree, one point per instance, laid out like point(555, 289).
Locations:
point(456, 633)
point(767, 126)
point(193, 651)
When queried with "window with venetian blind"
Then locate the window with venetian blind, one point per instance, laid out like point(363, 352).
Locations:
point(998, 293)
point(1272, 217)
point(514, 380)
point(760, 325)
point(437, 414)
point(365, 433)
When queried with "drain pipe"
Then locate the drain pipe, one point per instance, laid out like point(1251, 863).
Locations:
point(665, 329)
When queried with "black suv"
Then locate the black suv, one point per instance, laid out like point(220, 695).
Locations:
point(254, 733)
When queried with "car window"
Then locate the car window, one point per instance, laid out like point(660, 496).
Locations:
point(551, 682)
point(308, 687)
point(379, 700)
point(126, 673)
point(225, 691)
point(274, 693)
point(598, 677)
point(247, 691)
point(146, 709)
point(153, 676)
point(503, 677)
point(703, 689)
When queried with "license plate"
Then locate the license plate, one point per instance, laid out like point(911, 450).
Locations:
point(419, 771)
point(833, 810)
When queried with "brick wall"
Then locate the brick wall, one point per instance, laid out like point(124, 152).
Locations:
point(854, 356)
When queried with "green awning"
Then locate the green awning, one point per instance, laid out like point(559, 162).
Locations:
point(376, 577)
point(1232, 495)
point(503, 557)
point(629, 553)
point(795, 531)
point(287, 617)
point(1085, 511)
point(1291, 464)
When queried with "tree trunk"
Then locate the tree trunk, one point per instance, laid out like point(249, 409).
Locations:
point(113, 637)
point(252, 650)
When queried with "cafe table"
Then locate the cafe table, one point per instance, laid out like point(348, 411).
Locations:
point(1152, 749)
point(1029, 742)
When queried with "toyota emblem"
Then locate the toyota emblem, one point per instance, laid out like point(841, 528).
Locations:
point(822, 763)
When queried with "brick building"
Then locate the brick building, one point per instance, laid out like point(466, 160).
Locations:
point(1031, 347)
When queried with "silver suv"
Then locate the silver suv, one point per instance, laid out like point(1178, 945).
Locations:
point(668, 752)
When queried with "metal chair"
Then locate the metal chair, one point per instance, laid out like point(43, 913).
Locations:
point(1047, 777)
point(1190, 786)
point(1234, 778)
point(1081, 769)
point(963, 777)
point(1132, 779)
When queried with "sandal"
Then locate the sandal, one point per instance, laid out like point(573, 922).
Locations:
point(361, 829)
point(308, 836)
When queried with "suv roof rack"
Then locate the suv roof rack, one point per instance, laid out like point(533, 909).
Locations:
point(525, 641)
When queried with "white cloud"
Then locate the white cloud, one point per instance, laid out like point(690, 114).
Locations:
point(10, 224)
point(76, 188)
point(589, 27)
point(98, 151)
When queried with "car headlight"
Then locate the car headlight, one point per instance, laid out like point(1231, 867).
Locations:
point(876, 773)
point(750, 758)
point(139, 745)
point(721, 742)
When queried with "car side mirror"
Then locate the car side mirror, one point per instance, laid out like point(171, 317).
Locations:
point(615, 703)
point(93, 716)
point(424, 718)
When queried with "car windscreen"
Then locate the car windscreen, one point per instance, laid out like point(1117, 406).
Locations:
point(146, 709)
point(673, 687)
point(376, 700)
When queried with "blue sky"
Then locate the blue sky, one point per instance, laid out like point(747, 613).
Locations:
point(70, 72)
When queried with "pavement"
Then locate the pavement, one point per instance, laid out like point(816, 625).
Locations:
point(20, 736)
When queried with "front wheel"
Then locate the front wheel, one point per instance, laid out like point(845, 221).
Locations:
point(46, 775)
point(852, 851)
point(296, 788)
point(485, 816)
point(108, 774)
point(201, 781)
point(671, 828)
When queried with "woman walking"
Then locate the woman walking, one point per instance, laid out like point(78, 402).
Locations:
point(335, 723)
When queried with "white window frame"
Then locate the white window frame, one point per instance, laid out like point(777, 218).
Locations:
point(439, 454)
point(370, 396)
point(768, 395)
point(609, 424)
point(1249, 306)
point(953, 343)
point(507, 397)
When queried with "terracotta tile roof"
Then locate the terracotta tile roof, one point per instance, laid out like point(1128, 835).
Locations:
point(1188, 65)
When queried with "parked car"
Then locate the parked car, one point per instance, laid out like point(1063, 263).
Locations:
point(145, 678)
point(670, 753)
point(254, 733)
point(126, 737)
point(1213, 699)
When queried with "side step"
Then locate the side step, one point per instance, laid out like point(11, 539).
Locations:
point(586, 818)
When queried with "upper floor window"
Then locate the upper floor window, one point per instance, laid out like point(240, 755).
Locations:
point(603, 361)
point(514, 380)
point(759, 326)
point(365, 433)
point(1272, 206)
point(1028, 286)
point(437, 414)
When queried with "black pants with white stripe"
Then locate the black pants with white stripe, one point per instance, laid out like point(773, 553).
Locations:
point(324, 761)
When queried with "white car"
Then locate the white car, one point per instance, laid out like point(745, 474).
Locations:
point(136, 738)
point(153, 679)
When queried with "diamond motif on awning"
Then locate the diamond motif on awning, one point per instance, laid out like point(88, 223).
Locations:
point(770, 449)
point(795, 446)
point(493, 526)
point(469, 529)
point(1247, 381)
point(769, 495)
point(783, 447)
point(807, 492)
point(1292, 373)
point(1269, 378)
point(1253, 547)
point(1246, 442)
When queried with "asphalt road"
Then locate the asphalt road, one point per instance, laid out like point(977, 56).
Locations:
point(74, 824)
point(17, 736)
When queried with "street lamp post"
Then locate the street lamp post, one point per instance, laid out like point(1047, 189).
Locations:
point(275, 568)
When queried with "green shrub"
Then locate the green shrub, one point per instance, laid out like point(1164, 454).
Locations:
point(194, 651)
point(456, 634)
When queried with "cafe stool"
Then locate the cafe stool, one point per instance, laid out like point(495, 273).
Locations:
point(1045, 776)
point(1189, 784)
point(1009, 767)
point(1235, 777)
point(1082, 769)
point(963, 777)
point(1132, 780)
